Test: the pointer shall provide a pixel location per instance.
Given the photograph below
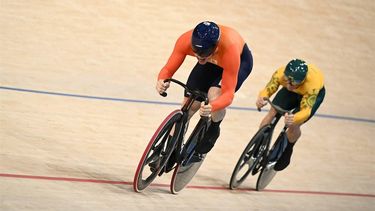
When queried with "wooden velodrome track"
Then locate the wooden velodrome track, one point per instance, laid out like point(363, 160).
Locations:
point(78, 105)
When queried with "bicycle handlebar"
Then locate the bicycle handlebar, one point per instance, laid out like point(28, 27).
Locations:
point(195, 92)
point(276, 107)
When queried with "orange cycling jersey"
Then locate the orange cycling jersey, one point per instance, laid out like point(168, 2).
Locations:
point(227, 56)
point(309, 90)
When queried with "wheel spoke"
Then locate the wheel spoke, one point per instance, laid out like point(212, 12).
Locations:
point(249, 160)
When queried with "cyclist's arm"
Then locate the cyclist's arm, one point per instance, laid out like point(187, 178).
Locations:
point(177, 57)
point(273, 84)
point(314, 82)
point(307, 102)
point(231, 65)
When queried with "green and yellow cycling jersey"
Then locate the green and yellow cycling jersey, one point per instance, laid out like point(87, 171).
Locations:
point(309, 90)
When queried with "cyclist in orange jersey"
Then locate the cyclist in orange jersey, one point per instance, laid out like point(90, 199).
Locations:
point(302, 90)
point(224, 62)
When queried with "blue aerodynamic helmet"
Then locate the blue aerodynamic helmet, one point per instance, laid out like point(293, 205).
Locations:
point(205, 38)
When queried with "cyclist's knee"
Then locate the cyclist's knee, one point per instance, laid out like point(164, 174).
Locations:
point(213, 93)
point(218, 115)
point(268, 118)
point(271, 114)
point(295, 128)
point(194, 108)
point(294, 132)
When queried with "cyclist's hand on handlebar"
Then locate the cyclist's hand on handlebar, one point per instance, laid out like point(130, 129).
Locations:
point(288, 119)
point(205, 110)
point(162, 86)
point(260, 102)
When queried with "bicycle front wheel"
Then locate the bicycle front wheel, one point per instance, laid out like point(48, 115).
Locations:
point(249, 158)
point(155, 152)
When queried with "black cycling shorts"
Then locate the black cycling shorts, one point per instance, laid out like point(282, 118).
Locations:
point(202, 77)
point(290, 100)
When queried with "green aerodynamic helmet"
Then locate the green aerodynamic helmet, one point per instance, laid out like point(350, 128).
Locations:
point(296, 71)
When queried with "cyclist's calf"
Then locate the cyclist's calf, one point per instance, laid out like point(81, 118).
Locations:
point(213, 93)
point(209, 139)
point(268, 118)
point(294, 132)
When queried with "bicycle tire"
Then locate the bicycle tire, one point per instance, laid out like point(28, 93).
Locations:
point(154, 150)
point(248, 155)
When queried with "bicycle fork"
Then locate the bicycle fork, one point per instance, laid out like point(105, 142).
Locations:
point(174, 143)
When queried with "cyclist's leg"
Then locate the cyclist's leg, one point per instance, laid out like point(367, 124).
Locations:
point(213, 131)
point(214, 92)
point(268, 118)
point(287, 100)
point(201, 77)
point(294, 133)
point(209, 77)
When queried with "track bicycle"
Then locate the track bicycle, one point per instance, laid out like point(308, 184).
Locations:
point(168, 141)
point(257, 157)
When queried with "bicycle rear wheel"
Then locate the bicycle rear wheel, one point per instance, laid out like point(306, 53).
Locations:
point(250, 157)
point(156, 151)
point(185, 170)
point(268, 173)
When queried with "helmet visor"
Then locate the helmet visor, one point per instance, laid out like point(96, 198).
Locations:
point(203, 52)
point(292, 81)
